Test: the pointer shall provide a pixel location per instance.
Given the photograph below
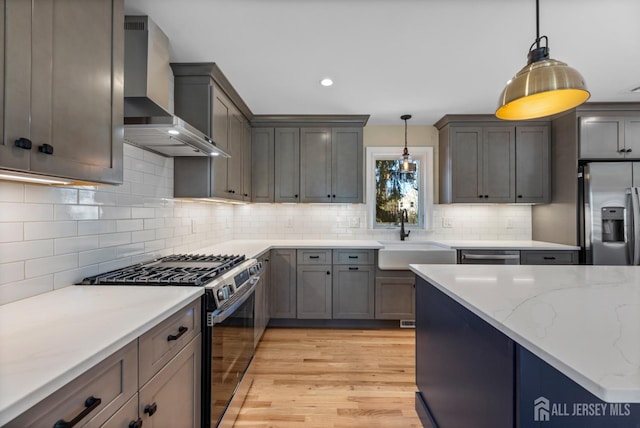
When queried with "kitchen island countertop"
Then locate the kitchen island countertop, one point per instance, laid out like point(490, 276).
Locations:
point(582, 320)
point(46, 341)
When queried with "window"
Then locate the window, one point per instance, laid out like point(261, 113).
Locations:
point(391, 190)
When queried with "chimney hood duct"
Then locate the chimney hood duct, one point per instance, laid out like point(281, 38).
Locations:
point(148, 122)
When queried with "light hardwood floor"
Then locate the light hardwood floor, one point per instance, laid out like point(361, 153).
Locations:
point(332, 378)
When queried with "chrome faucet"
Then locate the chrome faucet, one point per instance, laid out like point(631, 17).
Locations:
point(403, 217)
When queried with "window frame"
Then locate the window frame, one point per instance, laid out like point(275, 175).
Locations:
point(425, 155)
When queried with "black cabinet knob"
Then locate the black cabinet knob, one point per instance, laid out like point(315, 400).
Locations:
point(328, 273)
point(246, 195)
point(47, 149)
point(333, 196)
point(295, 196)
point(23, 143)
point(136, 424)
point(480, 196)
point(150, 409)
point(328, 196)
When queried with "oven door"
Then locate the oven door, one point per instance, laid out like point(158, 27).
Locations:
point(231, 351)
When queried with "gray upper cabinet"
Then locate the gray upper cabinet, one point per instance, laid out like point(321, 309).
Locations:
point(346, 165)
point(315, 165)
point(493, 162)
point(247, 159)
point(262, 164)
point(205, 98)
point(610, 137)
point(533, 178)
point(51, 53)
point(287, 165)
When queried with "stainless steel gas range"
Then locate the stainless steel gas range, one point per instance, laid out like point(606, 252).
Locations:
point(227, 319)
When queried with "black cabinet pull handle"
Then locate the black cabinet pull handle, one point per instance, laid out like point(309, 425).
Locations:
point(136, 424)
point(23, 143)
point(150, 409)
point(353, 257)
point(47, 149)
point(520, 196)
point(622, 151)
point(628, 150)
point(353, 268)
point(314, 257)
point(181, 330)
point(480, 196)
point(90, 404)
point(549, 258)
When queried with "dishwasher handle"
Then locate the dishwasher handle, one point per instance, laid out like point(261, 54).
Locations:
point(491, 256)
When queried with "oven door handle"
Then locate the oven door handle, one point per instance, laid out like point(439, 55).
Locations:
point(217, 318)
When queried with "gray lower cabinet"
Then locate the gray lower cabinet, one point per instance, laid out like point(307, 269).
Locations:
point(395, 296)
point(78, 136)
point(283, 299)
point(549, 257)
point(262, 308)
point(314, 291)
point(154, 380)
point(353, 291)
point(172, 397)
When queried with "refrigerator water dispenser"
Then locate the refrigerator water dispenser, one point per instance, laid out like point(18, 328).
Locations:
point(612, 224)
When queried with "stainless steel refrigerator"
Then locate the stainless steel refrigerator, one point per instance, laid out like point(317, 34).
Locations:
point(611, 213)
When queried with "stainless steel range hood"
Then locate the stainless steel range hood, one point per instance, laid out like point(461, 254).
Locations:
point(148, 122)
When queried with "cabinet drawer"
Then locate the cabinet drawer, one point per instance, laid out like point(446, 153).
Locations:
point(353, 257)
point(125, 416)
point(548, 257)
point(163, 342)
point(314, 257)
point(113, 381)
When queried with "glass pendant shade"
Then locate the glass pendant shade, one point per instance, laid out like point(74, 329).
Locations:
point(406, 157)
point(542, 88)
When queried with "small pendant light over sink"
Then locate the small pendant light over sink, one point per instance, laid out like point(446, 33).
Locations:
point(406, 157)
point(545, 86)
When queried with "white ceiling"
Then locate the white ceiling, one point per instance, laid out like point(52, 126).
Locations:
point(389, 57)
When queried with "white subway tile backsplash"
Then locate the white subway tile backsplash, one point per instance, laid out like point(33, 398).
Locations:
point(49, 194)
point(129, 225)
point(76, 212)
point(113, 213)
point(73, 276)
point(153, 223)
point(143, 235)
point(50, 230)
point(25, 250)
point(114, 239)
point(94, 227)
point(91, 197)
point(130, 250)
point(22, 289)
point(11, 272)
point(75, 244)
point(94, 257)
point(11, 192)
point(17, 212)
point(10, 232)
point(143, 212)
point(47, 265)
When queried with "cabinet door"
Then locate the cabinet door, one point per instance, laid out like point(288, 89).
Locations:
point(15, 76)
point(126, 417)
point(346, 165)
point(466, 164)
point(498, 164)
point(632, 138)
point(246, 161)
point(532, 164)
point(220, 131)
point(287, 164)
point(315, 165)
point(234, 164)
point(172, 397)
point(262, 164)
point(353, 292)
point(283, 284)
point(636, 174)
point(314, 292)
point(77, 89)
point(602, 137)
point(395, 298)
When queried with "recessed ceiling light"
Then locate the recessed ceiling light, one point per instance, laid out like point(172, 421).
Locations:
point(173, 132)
point(326, 82)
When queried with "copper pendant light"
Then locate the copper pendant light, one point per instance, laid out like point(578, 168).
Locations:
point(544, 87)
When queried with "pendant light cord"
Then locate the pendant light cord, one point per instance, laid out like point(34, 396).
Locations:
point(405, 133)
point(537, 23)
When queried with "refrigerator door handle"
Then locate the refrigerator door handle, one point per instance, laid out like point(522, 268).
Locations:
point(635, 225)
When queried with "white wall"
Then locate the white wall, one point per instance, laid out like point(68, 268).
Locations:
point(51, 237)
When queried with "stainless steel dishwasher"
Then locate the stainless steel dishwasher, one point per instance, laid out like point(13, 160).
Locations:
point(489, 257)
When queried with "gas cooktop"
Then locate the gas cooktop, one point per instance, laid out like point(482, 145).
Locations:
point(176, 270)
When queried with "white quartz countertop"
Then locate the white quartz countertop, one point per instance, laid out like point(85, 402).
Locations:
point(505, 245)
point(582, 320)
point(48, 340)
